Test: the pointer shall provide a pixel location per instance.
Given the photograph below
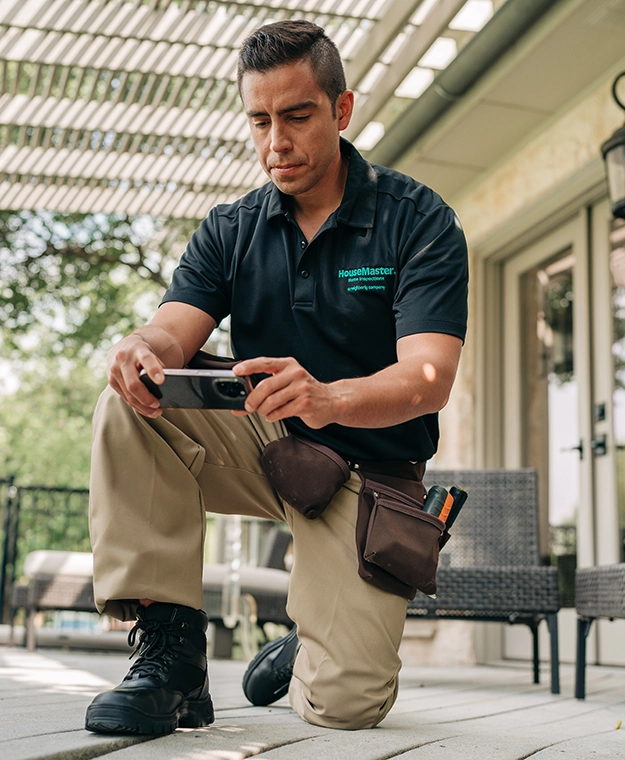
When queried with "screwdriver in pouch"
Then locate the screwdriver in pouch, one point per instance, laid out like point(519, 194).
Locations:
point(459, 496)
point(435, 500)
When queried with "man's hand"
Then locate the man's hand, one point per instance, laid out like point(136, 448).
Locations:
point(173, 336)
point(418, 383)
point(291, 391)
point(126, 360)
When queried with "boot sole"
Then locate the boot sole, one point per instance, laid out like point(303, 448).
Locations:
point(108, 719)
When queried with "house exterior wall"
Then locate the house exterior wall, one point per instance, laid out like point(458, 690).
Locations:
point(537, 170)
point(544, 163)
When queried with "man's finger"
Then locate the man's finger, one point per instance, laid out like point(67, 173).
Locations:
point(275, 400)
point(264, 390)
point(152, 366)
point(262, 364)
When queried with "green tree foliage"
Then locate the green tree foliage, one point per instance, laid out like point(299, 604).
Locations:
point(70, 286)
point(45, 425)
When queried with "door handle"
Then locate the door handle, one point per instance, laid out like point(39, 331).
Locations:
point(599, 445)
point(579, 448)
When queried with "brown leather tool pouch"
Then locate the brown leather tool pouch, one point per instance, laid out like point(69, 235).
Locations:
point(305, 474)
point(398, 543)
point(204, 360)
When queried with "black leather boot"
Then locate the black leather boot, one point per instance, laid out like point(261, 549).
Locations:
point(167, 686)
point(269, 674)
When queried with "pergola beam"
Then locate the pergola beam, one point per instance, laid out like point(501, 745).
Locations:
point(412, 50)
point(128, 105)
point(395, 17)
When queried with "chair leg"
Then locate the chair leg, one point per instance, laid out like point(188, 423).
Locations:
point(11, 641)
point(31, 643)
point(552, 623)
point(222, 649)
point(534, 628)
point(583, 629)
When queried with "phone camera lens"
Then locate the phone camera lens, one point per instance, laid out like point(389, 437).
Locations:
point(230, 388)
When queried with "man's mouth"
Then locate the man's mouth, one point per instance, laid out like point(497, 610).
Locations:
point(284, 170)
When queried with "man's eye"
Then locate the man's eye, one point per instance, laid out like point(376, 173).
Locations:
point(299, 118)
point(260, 124)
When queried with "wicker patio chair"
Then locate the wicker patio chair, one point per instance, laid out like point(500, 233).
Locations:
point(599, 593)
point(490, 569)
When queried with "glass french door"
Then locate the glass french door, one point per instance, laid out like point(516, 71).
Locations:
point(547, 401)
point(563, 408)
point(551, 440)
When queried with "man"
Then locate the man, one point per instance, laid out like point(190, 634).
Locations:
point(346, 285)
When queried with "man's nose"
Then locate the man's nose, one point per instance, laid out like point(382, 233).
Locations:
point(280, 140)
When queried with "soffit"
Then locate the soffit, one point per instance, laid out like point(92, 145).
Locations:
point(535, 81)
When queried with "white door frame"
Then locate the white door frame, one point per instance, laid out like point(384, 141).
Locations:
point(570, 235)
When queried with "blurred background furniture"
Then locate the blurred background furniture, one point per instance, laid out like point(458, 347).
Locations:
point(490, 569)
point(59, 580)
point(53, 580)
point(599, 593)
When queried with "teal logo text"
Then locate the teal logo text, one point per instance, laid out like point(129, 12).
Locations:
point(366, 278)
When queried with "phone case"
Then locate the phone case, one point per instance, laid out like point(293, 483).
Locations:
point(199, 389)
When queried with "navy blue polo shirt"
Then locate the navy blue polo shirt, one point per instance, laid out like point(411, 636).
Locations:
point(390, 261)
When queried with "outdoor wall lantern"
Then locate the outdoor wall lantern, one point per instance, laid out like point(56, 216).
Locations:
point(613, 151)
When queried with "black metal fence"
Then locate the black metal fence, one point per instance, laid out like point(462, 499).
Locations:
point(38, 517)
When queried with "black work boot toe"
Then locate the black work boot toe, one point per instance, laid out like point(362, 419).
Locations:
point(268, 675)
point(167, 687)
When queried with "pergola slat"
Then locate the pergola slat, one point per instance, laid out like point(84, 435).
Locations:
point(133, 105)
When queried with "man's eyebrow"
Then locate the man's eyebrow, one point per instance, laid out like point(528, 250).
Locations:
point(295, 107)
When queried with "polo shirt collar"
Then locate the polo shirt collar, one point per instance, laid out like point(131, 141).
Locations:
point(357, 208)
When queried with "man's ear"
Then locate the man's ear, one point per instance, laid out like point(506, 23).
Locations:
point(345, 108)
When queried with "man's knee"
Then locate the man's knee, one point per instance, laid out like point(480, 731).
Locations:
point(342, 706)
point(110, 404)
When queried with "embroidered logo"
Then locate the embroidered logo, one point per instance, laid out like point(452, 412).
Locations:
point(366, 278)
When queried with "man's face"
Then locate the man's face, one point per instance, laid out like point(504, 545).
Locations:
point(293, 127)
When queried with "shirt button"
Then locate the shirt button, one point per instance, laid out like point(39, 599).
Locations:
point(305, 273)
point(303, 244)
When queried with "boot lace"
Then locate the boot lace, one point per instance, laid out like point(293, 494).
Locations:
point(158, 648)
point(283, 674)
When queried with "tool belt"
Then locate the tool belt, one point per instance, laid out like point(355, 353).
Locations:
point(398, 543)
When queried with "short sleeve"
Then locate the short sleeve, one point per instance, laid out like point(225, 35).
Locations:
point(432, 290)
point(201, 277)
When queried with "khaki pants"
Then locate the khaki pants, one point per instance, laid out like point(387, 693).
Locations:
point(151, 483)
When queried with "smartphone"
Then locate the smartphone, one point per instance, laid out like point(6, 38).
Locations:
point(199, 389)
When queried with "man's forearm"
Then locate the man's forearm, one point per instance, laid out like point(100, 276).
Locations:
point(418, 383)
point(394, 395)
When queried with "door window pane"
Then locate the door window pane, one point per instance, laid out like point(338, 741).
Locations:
point(551, 441)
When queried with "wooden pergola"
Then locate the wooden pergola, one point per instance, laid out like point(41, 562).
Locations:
point(132, 106)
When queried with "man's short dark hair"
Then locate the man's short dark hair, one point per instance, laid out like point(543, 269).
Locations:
point(290, 41)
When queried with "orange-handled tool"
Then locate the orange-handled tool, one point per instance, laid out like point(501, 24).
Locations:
point(449, 502)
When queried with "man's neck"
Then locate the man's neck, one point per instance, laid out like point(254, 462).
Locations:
point(312, 210)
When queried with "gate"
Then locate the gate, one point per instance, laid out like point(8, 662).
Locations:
point(38, 517)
